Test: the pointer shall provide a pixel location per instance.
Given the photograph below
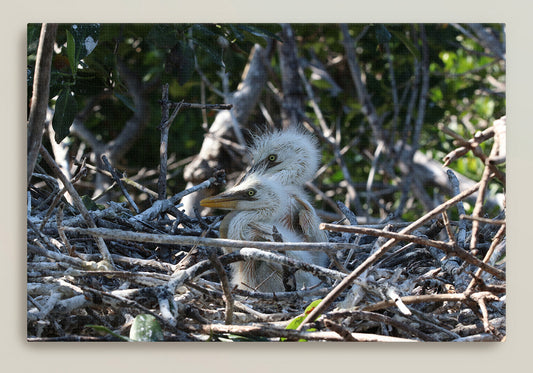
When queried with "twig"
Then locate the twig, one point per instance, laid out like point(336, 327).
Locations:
point(414, 299)
point(164, 128)
point(116, 177)
point(78, 203)
point(461, 235)
point(372, 316)
point(379, 253)
point(117, 234)
point(189, 105)
point(60, 193)
point(228, 298)
point(62, 235)
point(255, 254)
point(124, 179)
point(495, 242)
point(162, 206)
point(448, 248)
point(347, 213)
point(345, 334)
point(482, 220)
point(272, 332)
point(485, 178)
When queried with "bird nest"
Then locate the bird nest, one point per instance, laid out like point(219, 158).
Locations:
point(91, 274)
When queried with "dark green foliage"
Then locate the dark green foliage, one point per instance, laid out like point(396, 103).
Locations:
point(461, 84)
point(65, 111)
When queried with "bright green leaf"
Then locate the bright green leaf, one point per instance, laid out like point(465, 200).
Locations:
point(297, 321)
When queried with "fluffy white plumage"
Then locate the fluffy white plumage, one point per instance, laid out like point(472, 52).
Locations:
point(257, 206)
point(291, 157)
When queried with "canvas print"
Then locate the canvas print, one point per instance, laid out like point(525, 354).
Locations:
point(266, 182)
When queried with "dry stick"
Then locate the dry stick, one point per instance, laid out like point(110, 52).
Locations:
point(447, 225)
point(318, 271)
point(58, 196)
point(126, 180)
point(311, 96)
point(482, 220)
point(448, 248)
point(485, 178)
point(73, 261)
point(41, 238)
point(372, 316)
point(188, 105)
point(213, 258)
point(163, 157)
point(62, 235)
point(461, 235)
point(413, 299)
point(337, 328)
point(161, 206)
point(78, 203)
point(495, 242)
point(480, 300)
point(116, 177)
point(167, 239)
point(272, 332)
point(473, 145)
point(40, 95)
point(379, 253)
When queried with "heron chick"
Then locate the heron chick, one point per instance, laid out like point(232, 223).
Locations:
point(257, 204)
point(291, 157)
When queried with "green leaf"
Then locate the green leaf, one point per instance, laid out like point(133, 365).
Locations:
point(89, 203)
point(312, 306)
point(65, 111)
point(71, 53)
point(253, 34)
point(206, 38)
point(86, 38)
point(297, 321)
point(146, 328)
point(163, 35)
point(105, 330)
point(81, 41)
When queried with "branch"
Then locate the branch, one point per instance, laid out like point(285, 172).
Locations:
point(78, 203)
point(39, 99)
point(379, 253)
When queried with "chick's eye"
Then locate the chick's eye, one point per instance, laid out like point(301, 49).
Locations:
point(251, 192)
point(272, 157)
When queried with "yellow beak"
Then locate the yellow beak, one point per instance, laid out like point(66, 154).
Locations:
point(221, 201)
